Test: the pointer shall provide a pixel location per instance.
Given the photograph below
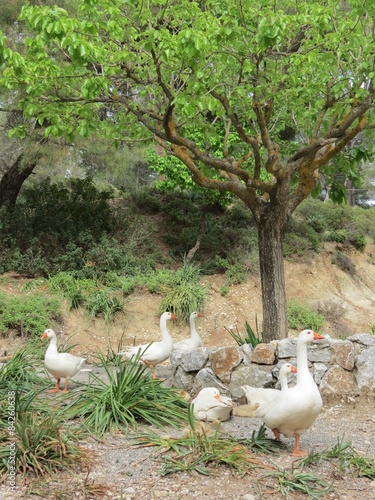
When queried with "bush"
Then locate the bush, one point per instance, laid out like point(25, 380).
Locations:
point(30, 315)
point(184, 293)
point(301, 316)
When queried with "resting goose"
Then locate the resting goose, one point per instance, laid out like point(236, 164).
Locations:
point(194, 342)
point(60, 364)
point(155, 352)
point(259, 395)
point(209, 405)
point(294, 410)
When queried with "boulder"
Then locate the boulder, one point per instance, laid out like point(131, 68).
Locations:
point(366, 369)
point(319, 353)
point(264, 354)
point(338, 381)
point(180, 378)
point(344, 353)
point(255, 375)
point(224, 360)
point(195, 360)
point(206, 378)
point(318, 371)
point(286, 348)
point(363, 338)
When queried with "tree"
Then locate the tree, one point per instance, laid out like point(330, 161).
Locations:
point(287, 84)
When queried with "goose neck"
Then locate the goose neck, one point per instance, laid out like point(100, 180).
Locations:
point(164, 330)
point(302, 363)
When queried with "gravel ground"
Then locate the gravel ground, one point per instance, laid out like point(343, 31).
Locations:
point(136, 471)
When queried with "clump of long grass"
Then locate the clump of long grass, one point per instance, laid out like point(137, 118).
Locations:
point(128, 397)
point(202, 451)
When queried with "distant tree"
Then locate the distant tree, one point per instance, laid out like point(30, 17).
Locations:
point(287, 84)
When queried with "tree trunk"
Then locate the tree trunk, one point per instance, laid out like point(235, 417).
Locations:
point(197, 245)
point(11, 182)
point(270, 235)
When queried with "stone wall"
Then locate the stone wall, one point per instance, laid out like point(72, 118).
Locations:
point(339, 367)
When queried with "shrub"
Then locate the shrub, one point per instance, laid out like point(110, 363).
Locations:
point(301, 316)
point(104, 304)
point(28, 314)
point(127, 397)
point(185, 294)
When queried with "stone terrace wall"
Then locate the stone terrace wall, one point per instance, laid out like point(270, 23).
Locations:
point(339, 367)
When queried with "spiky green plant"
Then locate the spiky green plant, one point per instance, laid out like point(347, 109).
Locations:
point(104, 304)
point(296, 480)
point(250, 337)
point(128, 397)
point(197, 450)
point(42, 444)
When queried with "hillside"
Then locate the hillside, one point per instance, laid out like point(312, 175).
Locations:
point(348, 301)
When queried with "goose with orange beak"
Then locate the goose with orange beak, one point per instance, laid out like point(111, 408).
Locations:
point(154, 353)
point(194, 342)
point(60, 364)
point(210, 405)
point(294, 410)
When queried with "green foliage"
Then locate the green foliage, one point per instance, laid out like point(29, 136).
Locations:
point(128, 397)
point(249, 337)
point(43, 445)
point(29, 315)
point(346, 458)
point(185, 294)
point(301, 316)
point(297, 480)
point(104, 304)
point(197, 450)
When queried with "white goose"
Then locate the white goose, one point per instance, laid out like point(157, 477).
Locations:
point(294, 410)
point(194, 342)
point(155, 352)
point(209, 405)
point(60, 364)
point(259, 395)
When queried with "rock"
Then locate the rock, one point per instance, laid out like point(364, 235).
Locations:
point(318, 353)
point(366, 369)
point(195, 360)
point(344, 353)
point(264, 354)
point(318, 371)
point(182, 379)
point(247, 352)
point(362, 338)
point(255, 375)
point(248, 496)
point(175, 359)
point(338, 381)
point(286, 348)
point(223, 361)
point(206, 378)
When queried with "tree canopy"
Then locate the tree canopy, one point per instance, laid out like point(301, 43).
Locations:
point(276, 88)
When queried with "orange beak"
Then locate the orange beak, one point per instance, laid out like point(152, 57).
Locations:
point(200, 315)
point(173, 316)
point(44, 336)
point(317, 336)
point(293, 369)
point(217, 396)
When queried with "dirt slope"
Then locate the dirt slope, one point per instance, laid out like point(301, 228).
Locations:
point(349, 300)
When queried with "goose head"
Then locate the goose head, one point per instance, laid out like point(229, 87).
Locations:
point(210, 392)
point(288, 368)
point(168, 315)
point(196, 314)
point(48, 334)
point(308, 336)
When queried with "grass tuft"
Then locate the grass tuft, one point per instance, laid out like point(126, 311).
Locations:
point(128, 397)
